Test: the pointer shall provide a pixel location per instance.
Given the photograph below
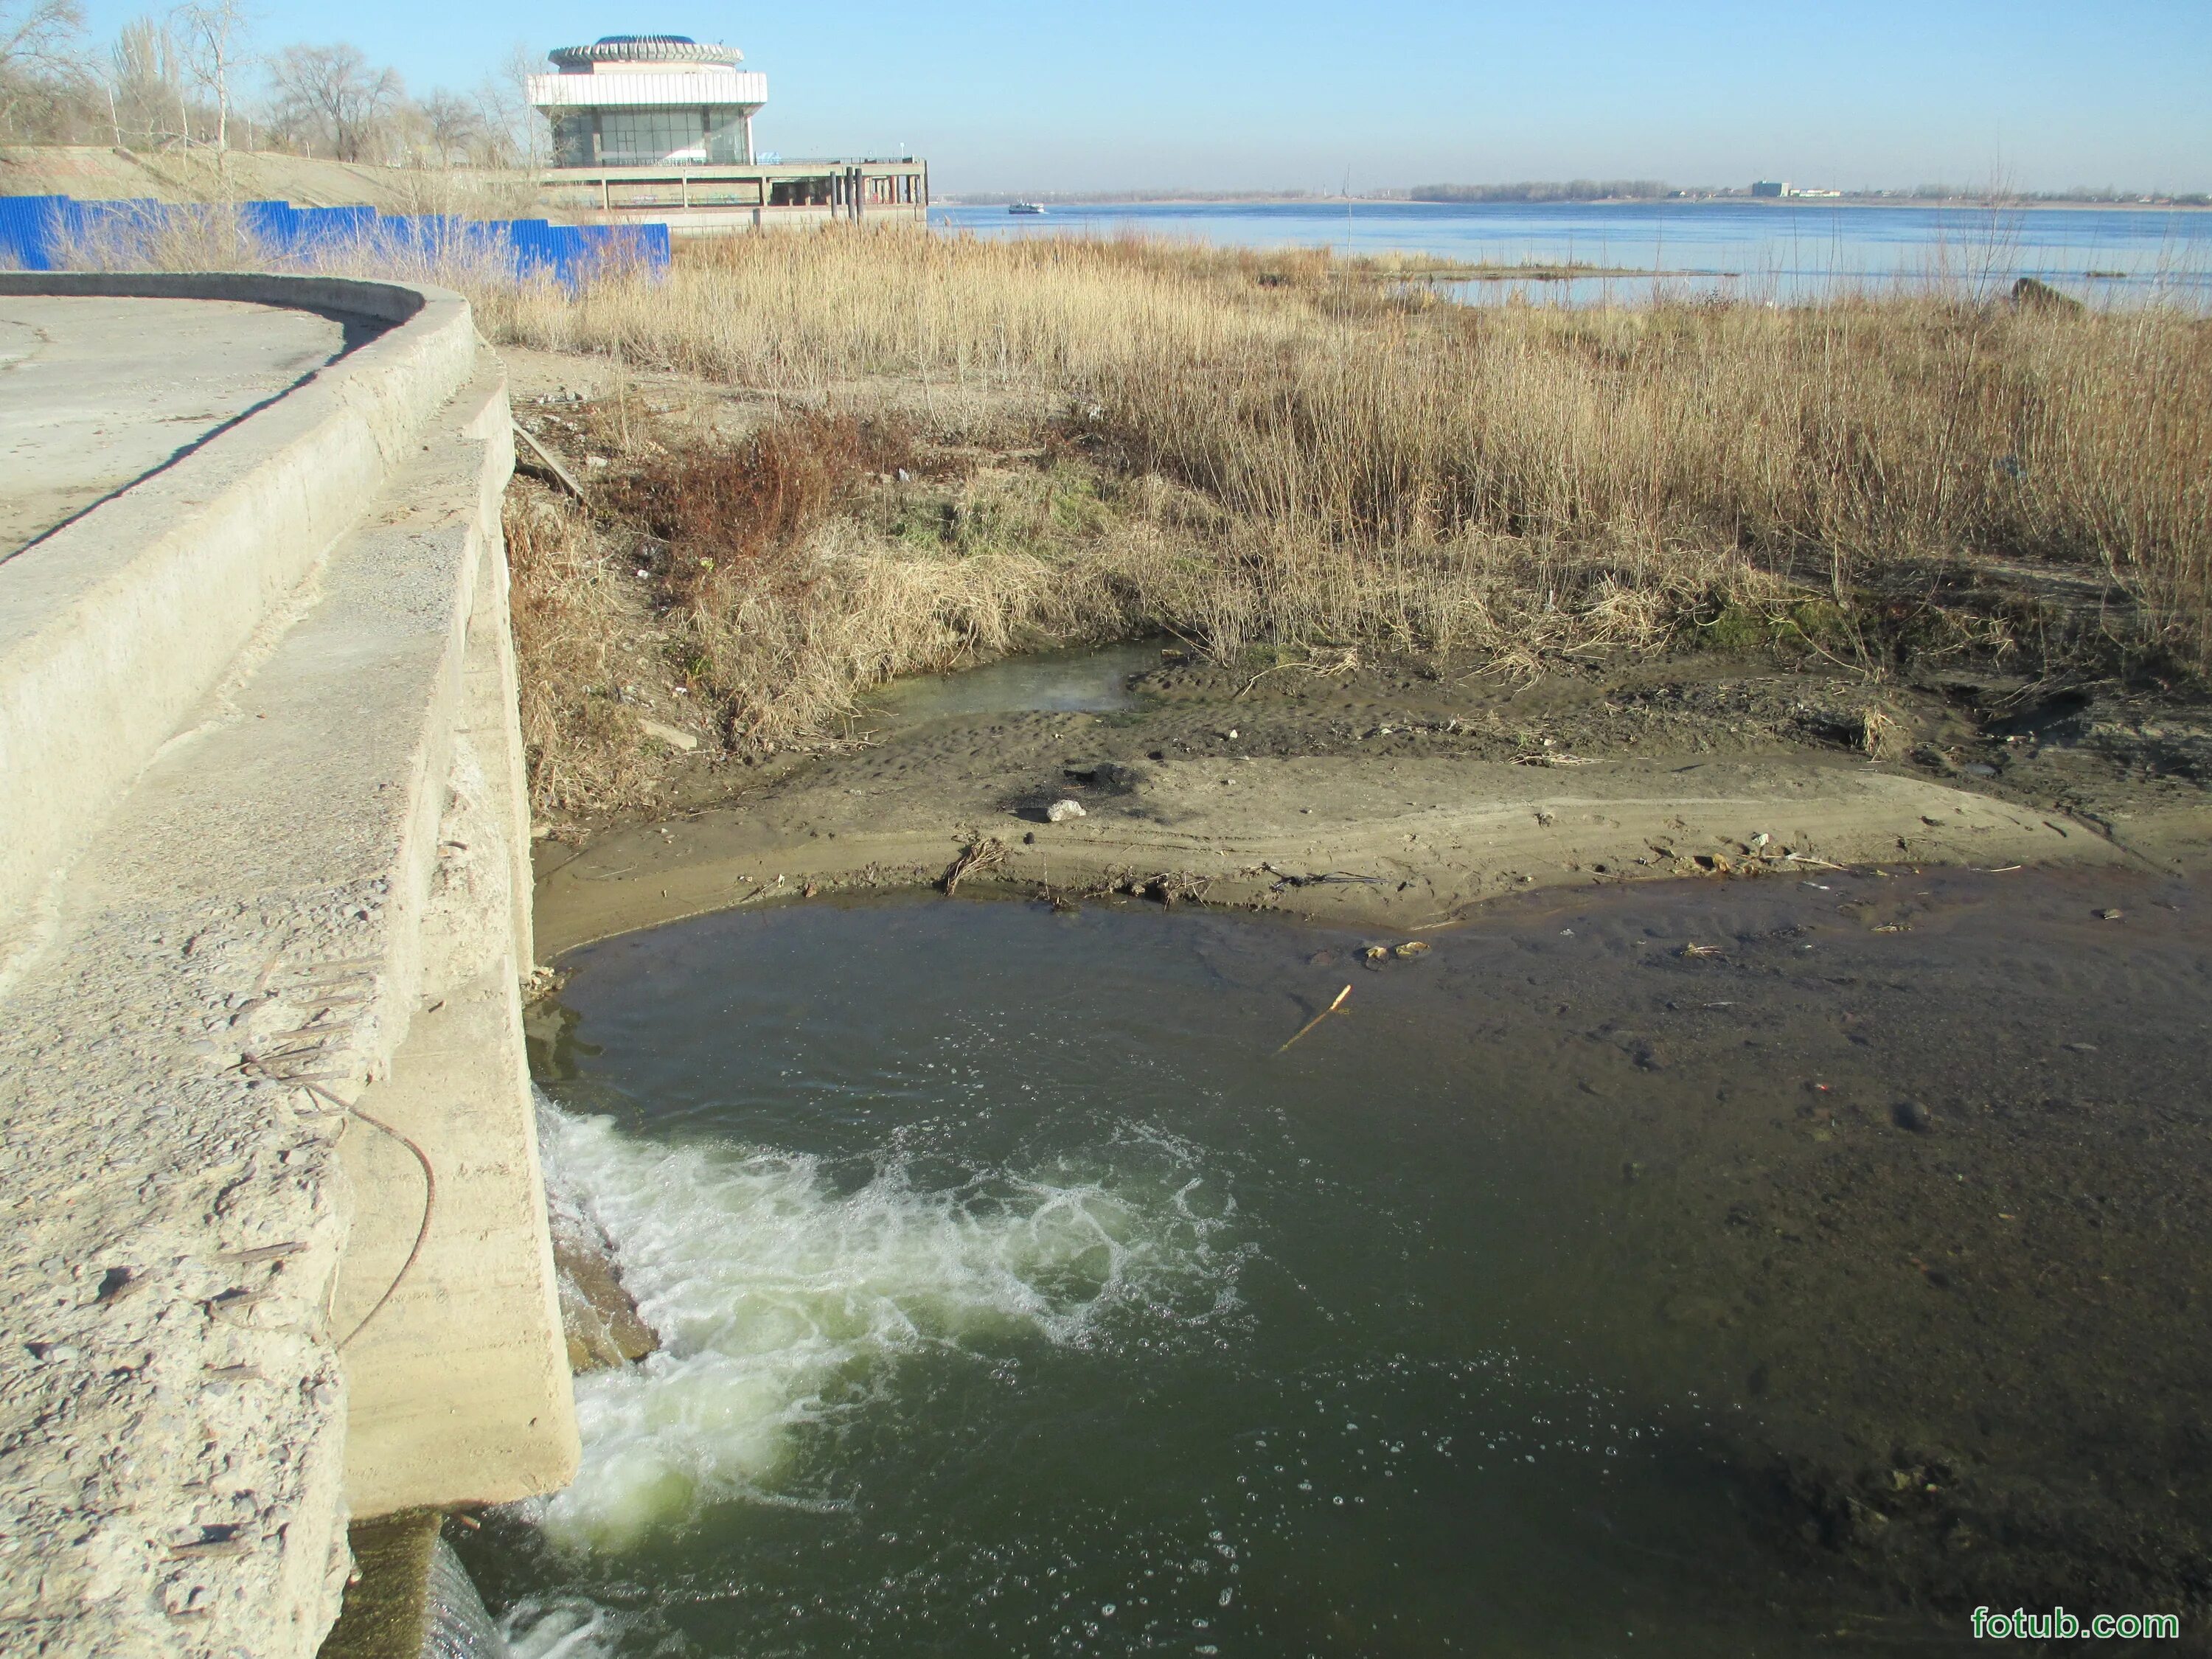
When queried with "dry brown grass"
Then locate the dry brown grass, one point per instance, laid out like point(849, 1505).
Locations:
point(1339, 426)
point(777, 580)
point(1265, 450)
point(217, 236)
point(581, 636)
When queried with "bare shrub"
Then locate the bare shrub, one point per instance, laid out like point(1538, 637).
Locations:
point(728, 512)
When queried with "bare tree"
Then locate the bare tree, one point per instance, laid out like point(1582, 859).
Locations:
point(333, 93)
point(146, 85)
point(38, 49)
point(209, 31)
point(455, 128)
point(525, 139)
point(39, 35)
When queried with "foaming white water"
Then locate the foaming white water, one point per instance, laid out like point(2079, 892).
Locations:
point(781, 1300)
point(569, 1627)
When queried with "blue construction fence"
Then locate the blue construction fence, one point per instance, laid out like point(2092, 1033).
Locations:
point(36, 230)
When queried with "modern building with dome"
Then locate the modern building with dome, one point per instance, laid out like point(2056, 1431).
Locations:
point(641, 100)
point(658, 128)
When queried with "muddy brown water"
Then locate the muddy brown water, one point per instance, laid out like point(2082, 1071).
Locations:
point(1091, 680)
point(1680, 1269)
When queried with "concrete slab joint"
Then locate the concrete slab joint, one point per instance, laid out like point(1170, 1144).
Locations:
point(262, 917)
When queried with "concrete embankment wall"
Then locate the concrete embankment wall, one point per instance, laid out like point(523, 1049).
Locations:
point(274, 1252)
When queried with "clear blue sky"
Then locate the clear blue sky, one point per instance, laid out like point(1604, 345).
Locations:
point(1031, 96)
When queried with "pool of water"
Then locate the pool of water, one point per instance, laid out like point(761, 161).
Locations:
point(1093, 680)
point(1022, 1294)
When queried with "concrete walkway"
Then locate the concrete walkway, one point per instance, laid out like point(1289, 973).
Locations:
point(96, 393)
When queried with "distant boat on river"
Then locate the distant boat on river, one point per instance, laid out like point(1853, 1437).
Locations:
point(1025, 207)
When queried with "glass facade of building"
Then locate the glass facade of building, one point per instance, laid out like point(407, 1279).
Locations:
point(644, 138)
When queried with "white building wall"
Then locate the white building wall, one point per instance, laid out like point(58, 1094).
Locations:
point(632, 89)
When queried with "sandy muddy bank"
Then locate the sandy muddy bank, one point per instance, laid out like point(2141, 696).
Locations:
point(1385, 796)
point(1941, 1458)
point(1400, 844)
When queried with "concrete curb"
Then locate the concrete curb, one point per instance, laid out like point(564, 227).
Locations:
point(114, 625)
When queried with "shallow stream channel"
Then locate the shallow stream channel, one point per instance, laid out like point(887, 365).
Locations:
point(1684, 1269)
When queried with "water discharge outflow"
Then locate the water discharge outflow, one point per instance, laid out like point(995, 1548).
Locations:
point(1568, 1290)
point(784, 1301)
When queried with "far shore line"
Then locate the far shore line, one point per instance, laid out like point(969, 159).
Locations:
point(1265, 199)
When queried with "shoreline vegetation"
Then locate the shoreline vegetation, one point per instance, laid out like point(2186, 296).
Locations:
point(910, 451)
point(966, 447)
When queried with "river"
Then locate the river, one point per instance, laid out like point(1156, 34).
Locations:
point(1758, 250)
point(1680, 1269)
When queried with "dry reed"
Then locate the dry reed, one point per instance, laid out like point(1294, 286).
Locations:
point(1331, 418)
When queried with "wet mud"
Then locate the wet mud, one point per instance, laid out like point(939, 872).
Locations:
point(1936, 1162)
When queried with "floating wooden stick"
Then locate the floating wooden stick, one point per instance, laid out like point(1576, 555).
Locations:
point(1319, 1017)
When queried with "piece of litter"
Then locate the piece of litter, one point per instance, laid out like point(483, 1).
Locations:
point(1060, 811)
point(1816, 886)
point(675, 736)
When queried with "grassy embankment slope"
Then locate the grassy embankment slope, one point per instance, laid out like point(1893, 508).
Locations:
point(98, 174)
